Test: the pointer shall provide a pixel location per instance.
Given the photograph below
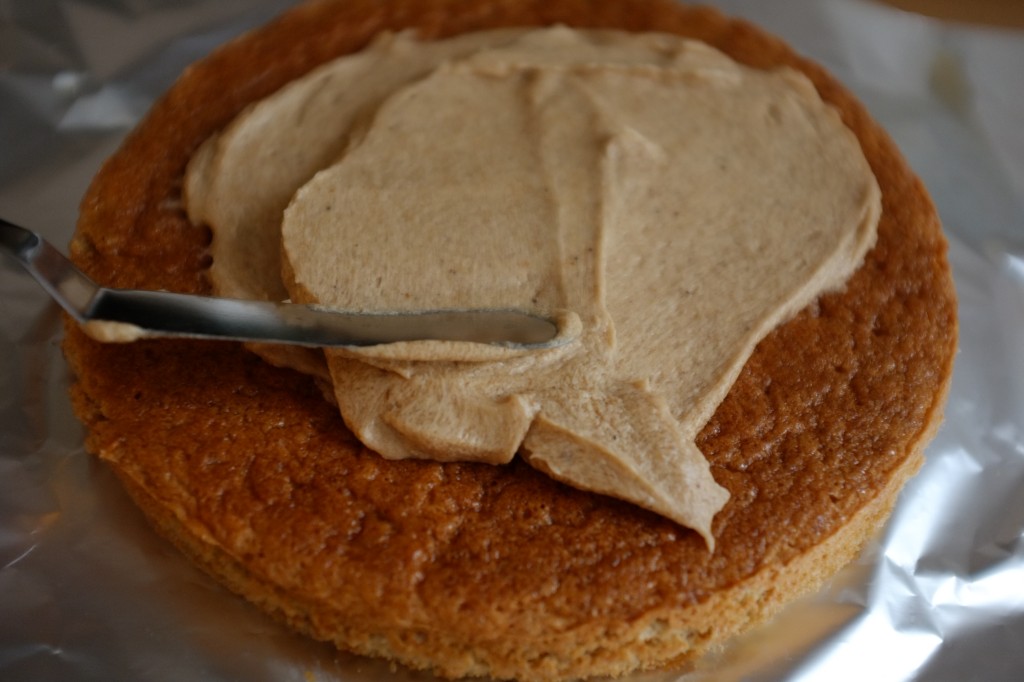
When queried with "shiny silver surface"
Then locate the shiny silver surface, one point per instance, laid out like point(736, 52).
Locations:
point(161, 313)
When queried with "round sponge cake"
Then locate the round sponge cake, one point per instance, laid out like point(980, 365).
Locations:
point(472, 569)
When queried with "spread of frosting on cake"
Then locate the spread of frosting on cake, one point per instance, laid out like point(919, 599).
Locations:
point(668, 204)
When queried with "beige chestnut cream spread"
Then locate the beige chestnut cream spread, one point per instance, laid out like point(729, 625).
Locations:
point(667, 204)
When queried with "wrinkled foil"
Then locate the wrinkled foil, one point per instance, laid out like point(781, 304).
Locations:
point(88, 592)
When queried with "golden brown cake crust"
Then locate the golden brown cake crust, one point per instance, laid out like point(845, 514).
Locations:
point(468, 568)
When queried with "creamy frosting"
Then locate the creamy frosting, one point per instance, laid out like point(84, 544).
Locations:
point(107, 331)
point(677, 204)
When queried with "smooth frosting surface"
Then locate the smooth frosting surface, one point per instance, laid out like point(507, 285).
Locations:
point(677, 204)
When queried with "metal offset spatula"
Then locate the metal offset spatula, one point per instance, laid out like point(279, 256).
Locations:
point(158, 313)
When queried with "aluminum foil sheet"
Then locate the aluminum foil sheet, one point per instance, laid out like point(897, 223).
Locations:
point(88, 592)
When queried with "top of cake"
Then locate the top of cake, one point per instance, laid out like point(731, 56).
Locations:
point(678, 204)
point(471, 569)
